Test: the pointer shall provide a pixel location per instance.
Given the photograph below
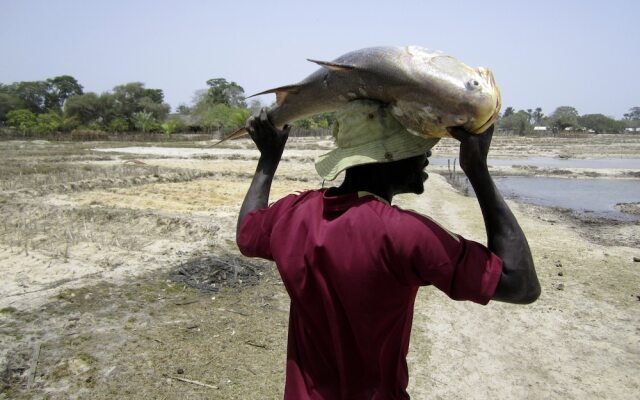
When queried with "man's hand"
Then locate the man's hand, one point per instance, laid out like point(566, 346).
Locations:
point(518, 282)
point(269, 140)
point(473, 148)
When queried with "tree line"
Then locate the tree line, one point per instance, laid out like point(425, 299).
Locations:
point(566, 118)
point(60, 104)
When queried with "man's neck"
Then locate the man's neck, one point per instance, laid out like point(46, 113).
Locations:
point(355, 186)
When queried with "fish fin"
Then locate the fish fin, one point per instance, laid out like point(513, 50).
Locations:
point(281, 92)
point(332, 66)
point(235, 134)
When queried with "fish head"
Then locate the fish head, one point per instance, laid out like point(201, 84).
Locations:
point(459, 95)
point(469, 97)
point(484, 100)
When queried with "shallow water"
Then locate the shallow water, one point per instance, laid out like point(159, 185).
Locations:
point(592, 163)
point(594, 196)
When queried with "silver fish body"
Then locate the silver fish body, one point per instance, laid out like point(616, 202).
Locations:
point(428, 91)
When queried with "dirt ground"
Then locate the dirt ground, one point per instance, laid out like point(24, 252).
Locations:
point(121, 279)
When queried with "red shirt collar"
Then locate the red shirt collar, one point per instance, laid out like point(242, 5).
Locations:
point(342, 202)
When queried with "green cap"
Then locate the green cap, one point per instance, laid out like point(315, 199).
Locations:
point(366, 132)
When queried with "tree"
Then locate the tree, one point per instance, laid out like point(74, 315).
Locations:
point(537, 116)
point(173, 125)
point(564, 117)
point(118, 125)
point(183, 109)
point(223, 92)
point(155, 95)
point(86, 108)
point(108, 110)
point(322, 120)
point(632, 118)
point(8, 103)
point(516, 122)
point(47, 123)
point(60, 88)
point(633, 114)
point(23, 120)
point(32, 93)
point(39, 96)
point(143, 121)
point(601, 123)
point(158, 110)
point(125, 99)
point(222, 116)
point(507, 112)
point(67, 124)
point(133, 97)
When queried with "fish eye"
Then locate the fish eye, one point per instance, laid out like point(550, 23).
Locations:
point(473, 84)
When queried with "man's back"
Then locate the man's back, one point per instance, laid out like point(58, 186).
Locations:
point(352, 265)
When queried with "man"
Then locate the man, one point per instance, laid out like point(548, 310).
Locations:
point(352, 263)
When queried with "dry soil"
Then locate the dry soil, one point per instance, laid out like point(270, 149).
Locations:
point(121, 279)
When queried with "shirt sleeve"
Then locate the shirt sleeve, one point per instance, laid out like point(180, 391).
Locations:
point(461, 268)
point(256, 227)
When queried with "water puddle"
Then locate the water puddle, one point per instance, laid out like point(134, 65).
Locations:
point(597, 197)
point(542, 162)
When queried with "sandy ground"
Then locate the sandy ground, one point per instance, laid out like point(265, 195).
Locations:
point(121, 279)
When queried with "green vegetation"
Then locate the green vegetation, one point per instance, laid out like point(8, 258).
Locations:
point(59, 104)
point(565, 118)
point(8, 310)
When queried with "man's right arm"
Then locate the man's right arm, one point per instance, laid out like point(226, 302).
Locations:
point(519, 281)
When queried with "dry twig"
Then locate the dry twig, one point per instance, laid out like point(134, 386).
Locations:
point(191, 381)
point(34, 365)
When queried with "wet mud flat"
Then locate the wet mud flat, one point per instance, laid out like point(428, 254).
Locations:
point(619, 226)
point(121, 277)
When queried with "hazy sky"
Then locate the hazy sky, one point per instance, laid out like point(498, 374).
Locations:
point(543, 53)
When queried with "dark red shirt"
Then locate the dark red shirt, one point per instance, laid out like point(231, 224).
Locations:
point(352, 266)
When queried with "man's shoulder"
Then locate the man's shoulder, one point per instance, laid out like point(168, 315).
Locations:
point(295, 198)
point(405, 221)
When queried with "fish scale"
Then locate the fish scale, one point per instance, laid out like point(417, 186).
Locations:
point(428, 91)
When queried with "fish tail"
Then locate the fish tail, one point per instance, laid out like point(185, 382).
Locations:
point(235, 134)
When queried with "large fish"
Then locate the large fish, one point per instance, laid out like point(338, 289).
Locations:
point(428, 91)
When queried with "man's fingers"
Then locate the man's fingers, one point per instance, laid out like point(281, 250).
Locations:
point(489, 130)
point(249, 124)
point(264, 117)
point(458, 133)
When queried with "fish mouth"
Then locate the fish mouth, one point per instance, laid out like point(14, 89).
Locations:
point(488, 76)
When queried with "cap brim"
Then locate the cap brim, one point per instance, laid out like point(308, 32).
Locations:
point(397, 147)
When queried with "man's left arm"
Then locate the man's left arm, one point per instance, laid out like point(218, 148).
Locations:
point(270, 142)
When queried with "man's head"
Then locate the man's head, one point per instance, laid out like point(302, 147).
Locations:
point(396, 177)
point(367, 134)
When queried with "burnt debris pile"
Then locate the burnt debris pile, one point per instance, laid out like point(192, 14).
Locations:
point(210, 273)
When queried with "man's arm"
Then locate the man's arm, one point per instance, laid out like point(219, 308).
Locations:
point(270, 141)
point(519, 282)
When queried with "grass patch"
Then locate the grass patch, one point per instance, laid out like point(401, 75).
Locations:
point(8, 310)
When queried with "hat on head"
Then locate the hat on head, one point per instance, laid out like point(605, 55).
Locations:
point(365, 133)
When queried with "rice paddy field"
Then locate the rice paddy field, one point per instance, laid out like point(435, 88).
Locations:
point(121, 278)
